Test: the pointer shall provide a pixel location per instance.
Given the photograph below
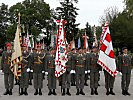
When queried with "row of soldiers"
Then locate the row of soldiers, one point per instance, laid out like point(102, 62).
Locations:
point(80, 63)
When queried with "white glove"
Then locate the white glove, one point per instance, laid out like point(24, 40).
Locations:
point(31, 71)
point(43, 71)
point(120, 73)
point(71, 71)
point(46, 73)
point(86, 72)
point(1, 71)
point(74, 71)
point(28, 70)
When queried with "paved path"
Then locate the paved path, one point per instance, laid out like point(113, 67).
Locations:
point(101, 90)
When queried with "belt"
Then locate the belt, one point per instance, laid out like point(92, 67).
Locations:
point(7, 63)
point(94, 65)
point(51, 66)
point(125, 65)
point(37, 62)
point(79, 65)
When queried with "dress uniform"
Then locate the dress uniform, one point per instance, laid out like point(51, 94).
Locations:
point(38, 67)
point(5, 67)
point(124, 63)
point(73, 78)
point(50, 68)
point(24, 79)
point(66, 77)
point(87, 66)
point(30, 50)
point(80, 72)
point(109, 83)
point(94, 71)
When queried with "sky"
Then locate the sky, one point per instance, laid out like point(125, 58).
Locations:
point(90, 10)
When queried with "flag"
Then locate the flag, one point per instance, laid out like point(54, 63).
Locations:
point(61, 54)
point(106, 56)
point(16, 55)
point(79, 43)
point(31, 44)
point(95, 43)
point(72, 44)
point(85, 41)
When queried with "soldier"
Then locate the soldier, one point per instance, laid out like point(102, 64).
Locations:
point(86, 54)
point(80, 72)
point(124, 62)
point(38, 68)
point(50, 68)
point(66, 77)
point(73, 78)
point(94, 71)
point(30, 73)
point(5, 67)
point(24, 79)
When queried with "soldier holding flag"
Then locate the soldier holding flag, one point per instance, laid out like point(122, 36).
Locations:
point(24, 79)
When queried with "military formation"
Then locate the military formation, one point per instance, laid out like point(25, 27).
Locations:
point(80, 67)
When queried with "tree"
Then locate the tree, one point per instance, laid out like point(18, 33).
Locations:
point(34, 16)
point(4, 16)
point(109, 15)
point(68, 12)
point(89, 33)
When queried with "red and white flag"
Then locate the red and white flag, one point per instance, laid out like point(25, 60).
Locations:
point(106, 55)
point(61, 54)
point(85, 41)
point(95, 43)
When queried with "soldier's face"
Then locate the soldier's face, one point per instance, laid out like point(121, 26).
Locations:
point(125, 51)
point(8, 48)
point(38, 49)
point(24, 48)
point(94, 50)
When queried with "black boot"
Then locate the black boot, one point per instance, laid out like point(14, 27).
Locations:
point(82, 92)
point(54, 93)
point(123, 92)
point(10, 92)
point(85, 83)
point(63, 92)
point(127, 93)
point(40, 92)
point(25, 92)
point(50, 92)
point(96, 93)
point(7, 92)
point(36, 92)
point(92, 91)
point(30, 82)
point(68, 93)
point(111, 91)
point(21, 93)
point(107, 93)
point(77, 92)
